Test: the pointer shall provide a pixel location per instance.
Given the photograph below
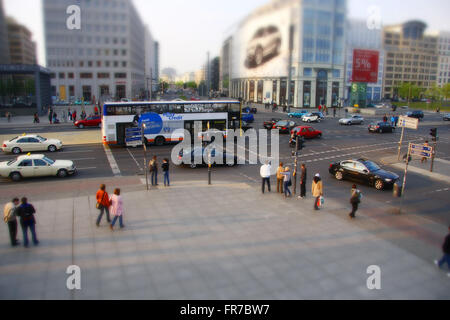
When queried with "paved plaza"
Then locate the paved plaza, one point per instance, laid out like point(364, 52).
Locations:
point(226, 241)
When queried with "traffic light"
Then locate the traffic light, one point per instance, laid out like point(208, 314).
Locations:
point(433, 133)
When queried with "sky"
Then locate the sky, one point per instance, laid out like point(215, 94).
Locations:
point(188, 29)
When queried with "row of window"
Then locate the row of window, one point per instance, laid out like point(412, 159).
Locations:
point(88, 64)
point(64, 39)
point(89, 75)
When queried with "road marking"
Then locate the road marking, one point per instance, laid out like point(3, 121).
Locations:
point(112, 162)
point(431, 175)
point(132, 156)
point(83, 159)
point(88, 168)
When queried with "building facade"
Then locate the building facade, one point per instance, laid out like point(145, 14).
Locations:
point(107, 58)
point(4, 42)
point(359, 36)
point(21, 46)
point(305, 38)
point(443, 75)
point(411, 55)
point(225, 66)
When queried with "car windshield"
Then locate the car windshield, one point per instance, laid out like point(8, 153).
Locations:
point(372, 166)
point(282, 123)
point(41, 138)
point(50, 161)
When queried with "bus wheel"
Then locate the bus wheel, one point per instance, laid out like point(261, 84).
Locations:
point(159, 141)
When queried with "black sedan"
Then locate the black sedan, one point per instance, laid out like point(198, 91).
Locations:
point(285, 126)
point(199, 157)
point(363, 171)
point(381, 127)
point(269, 124)
point(446, 117)
point(417, 114)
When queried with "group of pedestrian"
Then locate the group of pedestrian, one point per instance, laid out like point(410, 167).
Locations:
point(111, 206)
point(25, 212)
point(153, 168)
point(393, 118)
point(324, 109)
point(72, 115)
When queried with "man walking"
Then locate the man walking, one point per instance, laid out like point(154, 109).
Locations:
point(280, 178)
point(9, 216)
point(265, 175)
point(355, 200)
point(50, 115)
point(26, 213)
point(446, 249)
point(103, 204)
point(303, 182)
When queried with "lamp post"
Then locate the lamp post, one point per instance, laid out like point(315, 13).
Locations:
point(144, 146)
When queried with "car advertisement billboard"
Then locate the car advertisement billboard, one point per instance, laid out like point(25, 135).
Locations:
point(365, 66)
point(261, 45)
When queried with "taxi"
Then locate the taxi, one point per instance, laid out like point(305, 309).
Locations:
point(31, 142)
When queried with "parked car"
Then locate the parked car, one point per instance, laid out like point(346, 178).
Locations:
point(284, 126)
point(355, 119)
point(363, 171)
point(446, 117)
point(265, 44)
point(309, 117)
point(269, 124)
point(298, 114)
point(36, 165)
point(250, 110)
point(95, 121)
point(417, 114)
point(307, 132)
point(319, 114)
point(381, 127)
point(31, 142)
point(248, 117)
point(201, 153)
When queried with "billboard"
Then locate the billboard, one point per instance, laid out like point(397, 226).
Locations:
point(365, 66)
point(261, 45)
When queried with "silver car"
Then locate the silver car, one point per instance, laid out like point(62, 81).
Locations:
point(351, 121)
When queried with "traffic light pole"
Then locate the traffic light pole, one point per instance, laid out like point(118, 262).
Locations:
point(433, 155)
point(400, 143)
point(296, 165)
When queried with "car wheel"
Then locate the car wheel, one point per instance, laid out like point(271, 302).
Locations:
point(259, 56)
point(159, 141)
point(52, 148)
point(339, 176)
point(379, 184)
point(62, 173)
point(15, 176)
point(81, 126)
point(16, 150)
point(319, 136)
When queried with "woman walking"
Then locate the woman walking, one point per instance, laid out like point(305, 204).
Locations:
point(287, 182)
point(280, 178)
point(317, 190)
point(102, 204)
point(116, 209)
point(153, 167)
point(165, 168)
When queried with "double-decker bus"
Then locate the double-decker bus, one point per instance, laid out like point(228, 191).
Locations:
point(163, 118)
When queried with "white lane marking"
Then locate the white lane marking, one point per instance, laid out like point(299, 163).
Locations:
point(88, 168)
point(112, 162)
point(132, 156)
point(83, 159)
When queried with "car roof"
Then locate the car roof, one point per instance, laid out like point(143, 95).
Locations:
point(28, 136)
point(31, 156)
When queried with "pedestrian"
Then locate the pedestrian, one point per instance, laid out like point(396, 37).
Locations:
point(265, 175)
point(320, 107)
point(69, 113)
point(64, 117)
point(10, 217)
point(103, 204)
point(74, 116)
point(334, 112)
point(425, 159)
point(396, 120)
point(26, 213)
point(165, 168)
point(317, 190)
point(303, 182)
point(96, 111)
point(83, 115)
point(287, 181)
point(280, 178)
point(36, 118)
point(385, 118)
point(50, 115)
point(9, 115)
point(55, 118)
point(393, 120)
point(355, 200)
point(446, 250)
point(116, 209)
point(153, 168)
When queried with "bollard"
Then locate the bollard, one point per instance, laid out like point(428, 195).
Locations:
point(397, 190)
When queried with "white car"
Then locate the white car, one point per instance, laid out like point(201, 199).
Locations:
point(36, 165)
point(350, 121)
point(309, 117)
point(29, 143)
point(265, 44)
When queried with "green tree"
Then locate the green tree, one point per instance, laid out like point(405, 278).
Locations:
point(434, 93)
point(407, 90)
point(446, 91)
point(179, 84)
point(191, 85)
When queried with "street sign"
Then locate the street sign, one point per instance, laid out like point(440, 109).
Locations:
point(410, 123)
point(421, 150)
point(133, 137)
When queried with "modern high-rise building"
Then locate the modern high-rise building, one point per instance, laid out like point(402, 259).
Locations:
point(4, 42)
point(225, 66)
point(300, 40)
point(360, 36)
point(443, 75)
point(411, 55)
point(21, 46)
point(106, 58)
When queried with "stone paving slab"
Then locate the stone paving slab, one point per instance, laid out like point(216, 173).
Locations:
point(223, 242)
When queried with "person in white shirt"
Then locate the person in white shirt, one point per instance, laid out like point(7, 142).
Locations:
point(265, 175)
point(9, 216)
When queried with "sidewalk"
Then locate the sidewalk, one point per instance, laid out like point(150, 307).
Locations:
point(227, 241)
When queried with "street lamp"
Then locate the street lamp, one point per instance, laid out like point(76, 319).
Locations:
point(143, 127)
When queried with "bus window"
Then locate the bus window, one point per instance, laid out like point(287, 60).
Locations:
point(218, 124)
point(175, 108)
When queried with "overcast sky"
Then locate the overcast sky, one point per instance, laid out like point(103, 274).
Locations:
point(187, 30)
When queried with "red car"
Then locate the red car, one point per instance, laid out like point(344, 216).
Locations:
point(95, 121)
point(307, 132)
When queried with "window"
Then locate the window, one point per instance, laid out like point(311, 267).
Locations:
point(70, 75)
point(26, 163)
point(86, 75)
point(120, 75)
point(40, 163)
point(62, 75)
point(307, 72)
point(103, 75)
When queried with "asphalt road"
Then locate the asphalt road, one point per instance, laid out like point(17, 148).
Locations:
point(338, 143)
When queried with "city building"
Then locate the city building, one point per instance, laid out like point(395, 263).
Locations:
point(290, 39)
point(168, 75)
point(4, 42)
point(21, 46)
point(411, 55)
point(105, 58)
point(443, 74)
point(360, 36)
point(215, 73)
point(225, 66)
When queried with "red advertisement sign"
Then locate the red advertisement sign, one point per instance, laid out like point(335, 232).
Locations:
point(365, 66)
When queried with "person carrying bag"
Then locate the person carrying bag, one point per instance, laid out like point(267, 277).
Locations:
point(102, 204)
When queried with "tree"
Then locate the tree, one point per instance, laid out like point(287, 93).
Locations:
point(191, 85)
point(179, 84)
point(434, 93)
point(446, 91)
point(407, 90)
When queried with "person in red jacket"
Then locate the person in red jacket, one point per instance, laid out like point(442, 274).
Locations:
point(102, 204)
